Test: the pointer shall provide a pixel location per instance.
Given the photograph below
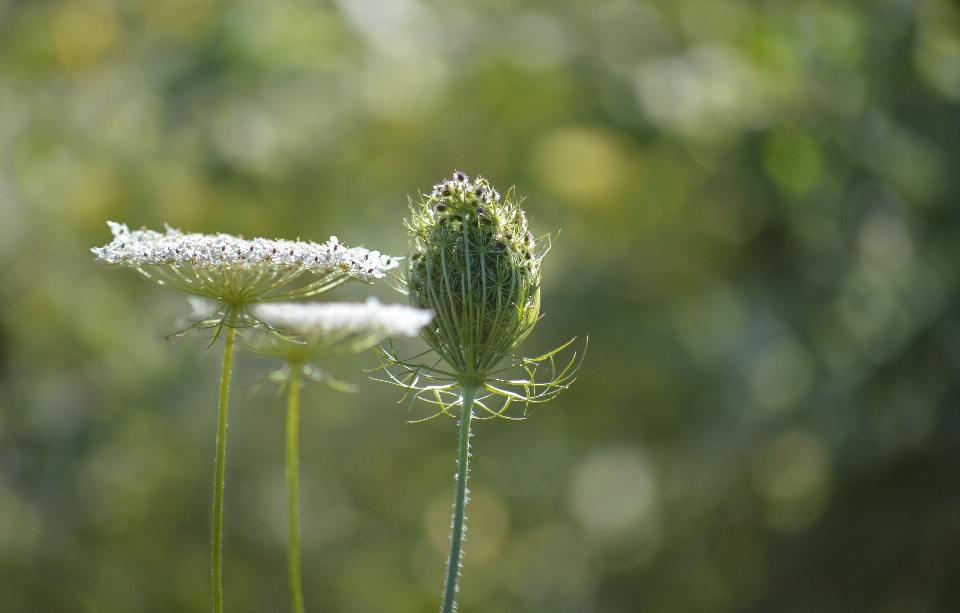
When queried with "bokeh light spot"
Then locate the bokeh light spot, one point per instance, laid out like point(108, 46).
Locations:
point(83, 33)
point(176, 17)
point(792, 475)
point(781, 373)
point(937, 54)
point(586, 165)
point(792, 160)
point(710, 323)
point(704, 93)
point(613, 491)
point(402, 90)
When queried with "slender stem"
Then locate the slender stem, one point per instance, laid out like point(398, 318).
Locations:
point(221, 457)
point(467, 395)
point(293, 493)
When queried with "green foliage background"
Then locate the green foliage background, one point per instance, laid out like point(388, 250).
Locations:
point(758, 204)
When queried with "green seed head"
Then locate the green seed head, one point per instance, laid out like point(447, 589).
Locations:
point(474, 262)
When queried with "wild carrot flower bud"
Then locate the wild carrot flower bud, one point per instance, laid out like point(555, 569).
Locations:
point(483, 283)
point(475, 264)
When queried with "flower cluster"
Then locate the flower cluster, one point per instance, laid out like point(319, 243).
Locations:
point(475, 262)
point(370, 317)
point(479, 190)
point(225, 252)
point(323, 330)
point(238, 273)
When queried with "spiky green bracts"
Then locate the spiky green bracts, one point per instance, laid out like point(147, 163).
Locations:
point(474, 262)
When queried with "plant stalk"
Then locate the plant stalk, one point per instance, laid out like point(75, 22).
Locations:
point(293, 488)
point(221, 459)
point(463, 471)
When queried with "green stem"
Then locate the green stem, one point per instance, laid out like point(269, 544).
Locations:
point(293, 495)
point(467, 395)
point(221, 458)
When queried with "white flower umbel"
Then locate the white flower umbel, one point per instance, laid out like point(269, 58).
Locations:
point(236, 274)
point(475, 263)
point(334, 320)
point(320, 330)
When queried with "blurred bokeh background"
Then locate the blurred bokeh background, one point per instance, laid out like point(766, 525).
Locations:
point(759, 214)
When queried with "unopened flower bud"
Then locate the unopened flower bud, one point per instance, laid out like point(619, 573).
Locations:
point(485, 303)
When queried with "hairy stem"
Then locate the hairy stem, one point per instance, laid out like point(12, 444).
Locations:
point(293, 489)
point(221, 458)
point(463, 471)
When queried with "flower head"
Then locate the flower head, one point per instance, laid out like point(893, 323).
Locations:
point(345, 324)
point(237, 273)
point(320, 330)
point(474, 262)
